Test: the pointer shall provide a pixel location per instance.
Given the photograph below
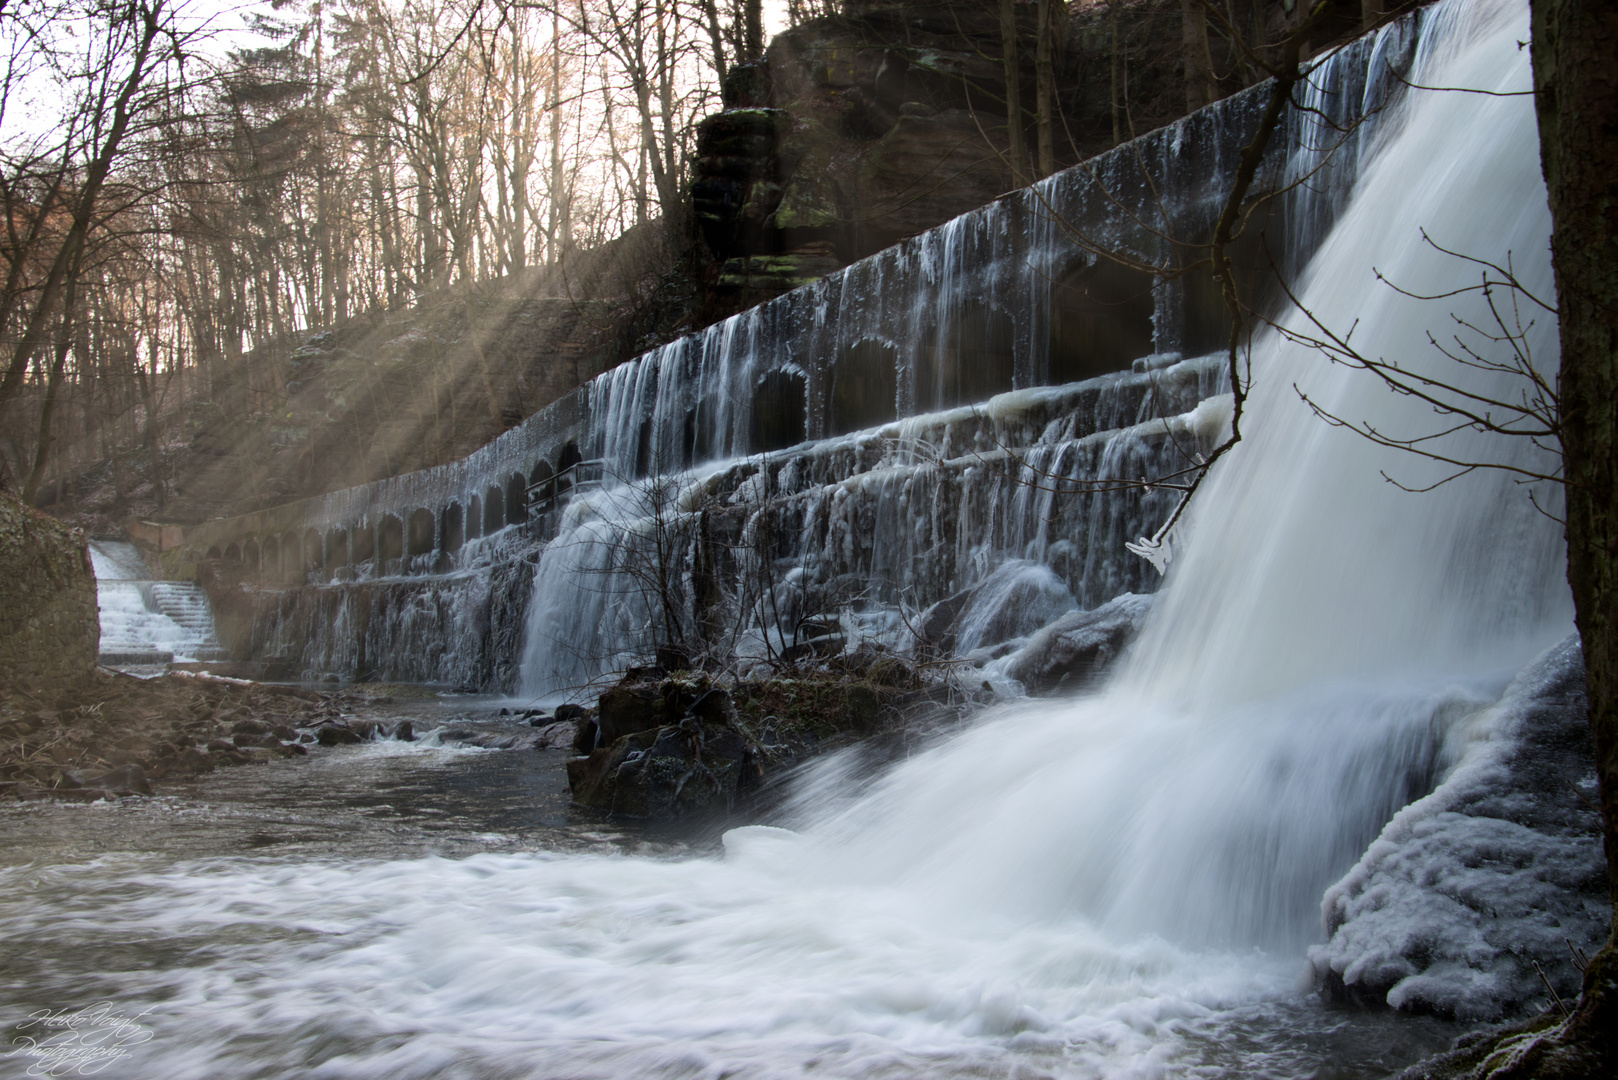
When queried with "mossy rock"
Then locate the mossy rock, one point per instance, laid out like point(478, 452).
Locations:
point(695, 767)
point(795, 718)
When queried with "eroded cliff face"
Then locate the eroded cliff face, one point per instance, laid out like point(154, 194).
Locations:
point(49, 631)
point(861, 130)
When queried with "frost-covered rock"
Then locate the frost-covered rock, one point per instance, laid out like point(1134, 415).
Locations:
point(1497, 870)
point(1017, 599)
point(1071, 651)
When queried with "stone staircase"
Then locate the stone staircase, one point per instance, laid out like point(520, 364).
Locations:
point(186, 604)
point(147, 623)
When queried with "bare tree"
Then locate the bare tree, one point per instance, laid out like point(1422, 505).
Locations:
point(114, 84)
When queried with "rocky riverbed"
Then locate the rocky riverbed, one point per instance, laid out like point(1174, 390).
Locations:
point(113, 734)
point(470, 781)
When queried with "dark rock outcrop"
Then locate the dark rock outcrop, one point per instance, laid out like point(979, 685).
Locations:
point(857, 131)
point(645, 699)
point(862, 129)
point(673, 771)
point(667, 750)
point(628, 709)
point(709, 749)
point(51, 628)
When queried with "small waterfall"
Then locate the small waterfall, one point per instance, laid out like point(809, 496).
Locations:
point(146, 621)
point(868, 529)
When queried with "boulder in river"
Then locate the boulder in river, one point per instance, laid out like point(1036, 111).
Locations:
point(702, 762)
point(335, 735)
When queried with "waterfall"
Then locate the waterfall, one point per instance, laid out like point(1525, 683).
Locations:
point(889, 432)
point(148, 622)
point(1323, 627)
point(870, 527)
point(1115, 885)
point(1306, 564)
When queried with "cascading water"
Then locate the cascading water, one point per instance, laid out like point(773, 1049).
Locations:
point(1119, 885)
point(888, 403)
point(862, 527)
point(1308, 565)
point(147, 622)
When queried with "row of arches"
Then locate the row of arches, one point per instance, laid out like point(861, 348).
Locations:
point(417, 540)
point(294, 556)
point(1101, 320)
point(389, 542)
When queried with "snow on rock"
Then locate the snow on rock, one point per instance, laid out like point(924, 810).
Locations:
point(1451, 907)
point(1009, 604)
point(1071, 651)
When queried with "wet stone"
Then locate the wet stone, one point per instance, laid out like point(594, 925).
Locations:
point(693, 767)
point(335, 735)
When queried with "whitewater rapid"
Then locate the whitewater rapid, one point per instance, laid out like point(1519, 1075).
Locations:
point(1119, 886)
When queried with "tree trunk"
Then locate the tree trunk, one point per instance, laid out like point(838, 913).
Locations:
point(151, 440)
point(64, 345)
point(47, 410)
point(1118, 88)
point(754, 35)
point(123, 110)
point(1044, 87)
point(1199, 89)
point(1574, 42)
point(1008, 53)
point(560, 211)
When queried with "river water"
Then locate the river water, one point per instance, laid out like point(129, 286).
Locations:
point(416, 910)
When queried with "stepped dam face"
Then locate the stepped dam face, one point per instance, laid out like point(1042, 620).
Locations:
point(893, 434)
point(147, 621)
